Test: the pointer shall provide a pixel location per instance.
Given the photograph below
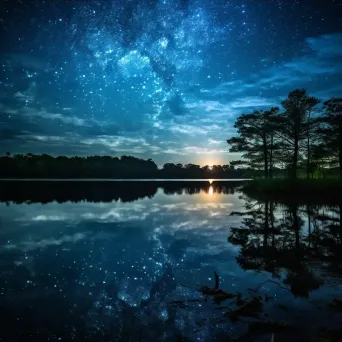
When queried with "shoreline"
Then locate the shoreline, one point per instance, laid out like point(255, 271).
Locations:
point(321, 190)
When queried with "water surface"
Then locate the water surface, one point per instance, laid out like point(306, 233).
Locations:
point(127, 261)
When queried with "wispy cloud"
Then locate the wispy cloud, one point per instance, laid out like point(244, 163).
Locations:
point(320, 58)
point(115, 141)
point(326, 46)
point(214, 142)
point(204, 150)
point(229, 109)
point(187, 129)
point(31, 245)
point(27, 60)
point(73, 120)
point(223, 88)
point(252, 102)
point(63, 118)
point(122, 144)
point(209, 106)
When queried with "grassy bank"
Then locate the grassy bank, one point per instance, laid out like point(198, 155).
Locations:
point(301, 190)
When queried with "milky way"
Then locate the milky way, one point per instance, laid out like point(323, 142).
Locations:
point(149, 52)
point(172, 74)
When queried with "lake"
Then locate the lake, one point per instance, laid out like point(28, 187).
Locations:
point(165, 261)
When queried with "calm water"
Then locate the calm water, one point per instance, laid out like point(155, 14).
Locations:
point(106, 262)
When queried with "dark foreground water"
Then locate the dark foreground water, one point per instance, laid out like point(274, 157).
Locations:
point(130, 262)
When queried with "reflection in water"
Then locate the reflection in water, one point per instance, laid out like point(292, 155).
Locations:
point(107, 270)
point(280, 240)
point(104, 191)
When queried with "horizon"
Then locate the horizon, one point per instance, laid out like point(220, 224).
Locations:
point(164, 80)
point(117, 156)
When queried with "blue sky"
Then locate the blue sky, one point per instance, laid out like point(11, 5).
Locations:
point(156, 79)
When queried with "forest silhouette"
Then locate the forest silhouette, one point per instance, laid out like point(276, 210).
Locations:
point(61, 167)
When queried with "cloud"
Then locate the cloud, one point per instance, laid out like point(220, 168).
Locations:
point(63, 118)
point(46, 218)
point(204, 150)
point(50, 138)
point(322, 57)
point(25, 142)
point(229, 109)
point(30, 112)
point(327, 46)
point(23, 96)
point(252, 101)
point(11, 133)
point(209, 106)
point(187, 129)
point(31, 245)
point(173, 151)
point(334, 91)
point(119, 143)
point(27, 60)
point(73, 120)
point(214, 142)
point(223, 88)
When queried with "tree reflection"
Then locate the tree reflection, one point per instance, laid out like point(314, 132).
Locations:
point(104, 191)
point(273, 239)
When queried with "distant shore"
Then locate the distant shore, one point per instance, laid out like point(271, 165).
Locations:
point(124, 179)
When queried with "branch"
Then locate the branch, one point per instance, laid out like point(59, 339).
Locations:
point(284, 137)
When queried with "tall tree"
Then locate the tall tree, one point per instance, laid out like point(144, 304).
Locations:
point(313, 124)
point(332, 131)
point(293, 127)
point(256, 139)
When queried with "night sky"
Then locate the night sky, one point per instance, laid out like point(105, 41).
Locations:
point(160, 79)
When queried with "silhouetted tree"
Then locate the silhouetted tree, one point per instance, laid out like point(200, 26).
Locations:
point(256, 139)
point(295, 124)
point(332, 131)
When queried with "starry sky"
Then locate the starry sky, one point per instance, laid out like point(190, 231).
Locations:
point(160, 79)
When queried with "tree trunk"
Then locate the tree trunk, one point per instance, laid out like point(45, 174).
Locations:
point(265, 157)
point(308, 148)
point(271, 159)
point(266, 225)
point(272, 221)
point(308, 158)
point(296, 227)
point(340, 153)
point(340, 207)
point(309, 224)
point(295, 159)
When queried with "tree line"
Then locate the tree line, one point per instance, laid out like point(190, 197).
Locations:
point(47, 166)
point(305, 134)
